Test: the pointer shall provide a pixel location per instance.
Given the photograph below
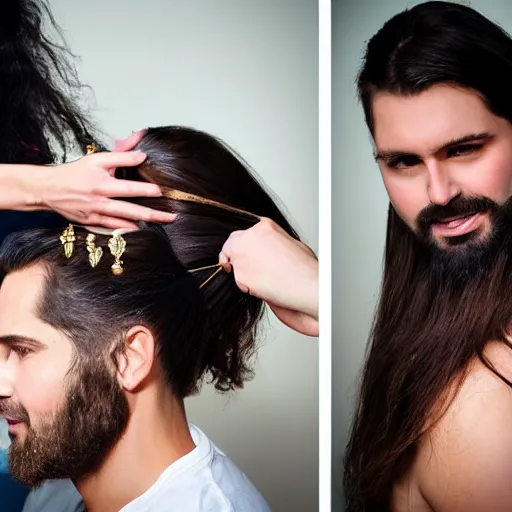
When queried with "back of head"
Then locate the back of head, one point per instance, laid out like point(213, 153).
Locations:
point(194, 162)
point(41, 119)
point(434, 43)
point(204, 325)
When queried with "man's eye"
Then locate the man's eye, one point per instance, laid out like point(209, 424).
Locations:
point(466, 149)
point(403, 162)
point(20, 350)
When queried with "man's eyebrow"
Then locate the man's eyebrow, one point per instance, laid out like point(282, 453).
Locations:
point(474, 137)
point(15, 339)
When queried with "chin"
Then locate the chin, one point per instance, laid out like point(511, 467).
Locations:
point(477, 236)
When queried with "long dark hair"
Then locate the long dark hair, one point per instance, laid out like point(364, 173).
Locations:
point(42, 119)
point(207, 331)
point(425, 332)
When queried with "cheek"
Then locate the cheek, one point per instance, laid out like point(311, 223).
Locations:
point(494, 179)
point(407, 195)
point(40, 385)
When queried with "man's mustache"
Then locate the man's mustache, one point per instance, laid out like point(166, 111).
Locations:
point(14, 411)
point(459, 206)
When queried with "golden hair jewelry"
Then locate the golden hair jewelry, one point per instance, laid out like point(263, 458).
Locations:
point(95, 253)
point(178, 195)
point(68, 239)
point(218, 266)
point(117, 246)
point(91, 148)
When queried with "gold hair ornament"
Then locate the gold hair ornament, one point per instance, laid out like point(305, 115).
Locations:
point(204, 283)
point(91, 148)
point(68, 239)
point(95, 253)
point(178, 195)
point(117, 246)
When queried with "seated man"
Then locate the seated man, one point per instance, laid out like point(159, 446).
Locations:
point(103, 334)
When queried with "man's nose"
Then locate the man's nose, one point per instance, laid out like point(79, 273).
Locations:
point(6, 379)
point(442, 188)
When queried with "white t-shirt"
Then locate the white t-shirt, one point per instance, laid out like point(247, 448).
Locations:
point(204, 480)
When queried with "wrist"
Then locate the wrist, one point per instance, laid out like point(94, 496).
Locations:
point(303, 289)
point(310, 293)
point(33, 181)
point(17, 187)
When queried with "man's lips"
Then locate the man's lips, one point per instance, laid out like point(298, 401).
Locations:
point(457, 226)
point(12, 421)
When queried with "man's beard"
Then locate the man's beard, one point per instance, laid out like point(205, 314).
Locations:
point(73, 442)
point(471, 255)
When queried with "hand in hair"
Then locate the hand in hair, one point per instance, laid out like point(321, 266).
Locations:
point(130, 142)
point(271, 265)
point(82, 190)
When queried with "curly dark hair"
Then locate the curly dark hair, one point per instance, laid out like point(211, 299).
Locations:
point(42, 119)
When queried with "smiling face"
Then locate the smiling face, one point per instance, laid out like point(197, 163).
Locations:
point(63, 415)
point(446, 161)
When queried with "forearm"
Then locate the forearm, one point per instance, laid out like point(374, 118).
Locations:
point(20, 187)
point(307, 291)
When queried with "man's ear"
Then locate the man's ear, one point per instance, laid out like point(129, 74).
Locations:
point(135, 362)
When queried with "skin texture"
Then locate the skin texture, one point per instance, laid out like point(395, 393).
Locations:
point(465, 463)
point(82, 191)
point(32, 379)
point(271, 265)
point(419, 126)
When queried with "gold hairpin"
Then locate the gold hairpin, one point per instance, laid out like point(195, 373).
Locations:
point(68, 239)
point(95, 253)
point(117, 246)
point(218, 266)
point(178, 195)
point(91, 148)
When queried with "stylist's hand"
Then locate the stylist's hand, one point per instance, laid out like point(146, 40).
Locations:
point(271, 265)
point(82, 191)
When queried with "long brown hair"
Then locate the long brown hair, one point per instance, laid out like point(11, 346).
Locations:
point(426, 330)
point(424, 335)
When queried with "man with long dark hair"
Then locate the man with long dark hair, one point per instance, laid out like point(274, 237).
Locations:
point(432, 424)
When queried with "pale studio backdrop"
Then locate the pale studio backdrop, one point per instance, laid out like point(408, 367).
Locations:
point(360, 204)
point(248, 73)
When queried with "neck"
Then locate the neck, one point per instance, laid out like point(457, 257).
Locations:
point(157, 435)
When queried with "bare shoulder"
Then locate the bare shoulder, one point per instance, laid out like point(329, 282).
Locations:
point(465, 462)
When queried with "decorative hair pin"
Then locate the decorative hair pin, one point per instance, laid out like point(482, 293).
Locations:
point(117, 246)
point(179, 195)
point(94, 148)
point(95, 253)
point(204, 283)
point(91, 148)
point(68, 239)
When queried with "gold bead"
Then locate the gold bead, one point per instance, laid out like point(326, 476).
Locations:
point(117, 270)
